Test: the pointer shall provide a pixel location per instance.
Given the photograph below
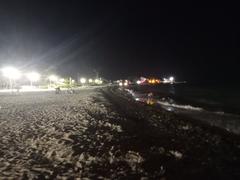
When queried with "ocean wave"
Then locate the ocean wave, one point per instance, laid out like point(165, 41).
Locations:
point(168, 102)
point(187, 107)
point(220, 112)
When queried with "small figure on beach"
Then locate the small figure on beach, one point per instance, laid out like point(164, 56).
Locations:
point(57, 90)
point(150, 100)
point(71, 91)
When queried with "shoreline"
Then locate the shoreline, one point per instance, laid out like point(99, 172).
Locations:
point(168, 91)
point(195, 137)
point(212, 116)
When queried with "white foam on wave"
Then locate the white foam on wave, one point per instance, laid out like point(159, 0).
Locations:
point(220, 112)
point(221, 119)
point(187, 107)
point(130, 92)
point(169, 106)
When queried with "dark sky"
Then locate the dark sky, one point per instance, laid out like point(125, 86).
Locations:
point(121, 38)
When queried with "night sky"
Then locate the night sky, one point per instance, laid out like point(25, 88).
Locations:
point(121, 39)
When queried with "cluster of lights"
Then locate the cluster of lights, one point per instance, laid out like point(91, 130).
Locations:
point(13, 74)
point(124, 83)
point(90, 81)
point(154, 81)
point(169, 80)
point(98, 81)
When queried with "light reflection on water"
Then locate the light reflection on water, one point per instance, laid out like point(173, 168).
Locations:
point(149, 101)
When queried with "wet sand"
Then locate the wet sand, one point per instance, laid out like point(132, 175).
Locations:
point(104, 134)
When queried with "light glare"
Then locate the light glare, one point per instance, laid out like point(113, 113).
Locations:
point(53, 78)
point(61, 80)
point(11, 73)
point(33, 76)
point(171, 79)
point(90, 80)
point(83, 80)
point(96, 81)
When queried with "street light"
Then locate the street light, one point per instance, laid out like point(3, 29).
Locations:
point(33, 77)
point(90, 80)
point(12, 74)
point(83, 80)
point(171, 79)
point(96, 81)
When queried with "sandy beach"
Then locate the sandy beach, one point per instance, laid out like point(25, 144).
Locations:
point(102, 133)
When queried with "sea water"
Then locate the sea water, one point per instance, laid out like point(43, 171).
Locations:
point(215, 105)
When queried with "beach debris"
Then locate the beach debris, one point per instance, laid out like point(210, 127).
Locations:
point(176, 154)
point(186, 127)
point(133, 159)
point(169, 109)
point(66, 137)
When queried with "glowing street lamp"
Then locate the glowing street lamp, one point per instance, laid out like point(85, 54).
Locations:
point(83, 80)
point(12, 74)
point(100, 82)
point(90, 80)
point(96, 81)
point(171, 79)
point(33, 77)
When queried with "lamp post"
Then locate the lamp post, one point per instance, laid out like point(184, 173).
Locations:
point(33, 77)
point(12, 74)
point(83, 80)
